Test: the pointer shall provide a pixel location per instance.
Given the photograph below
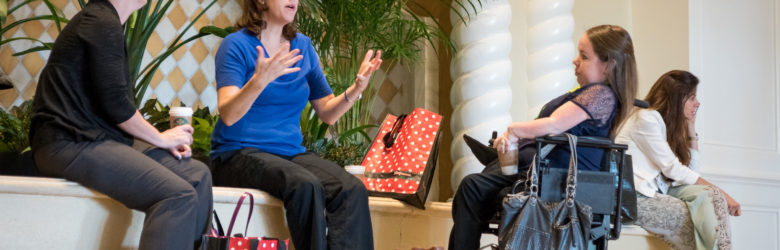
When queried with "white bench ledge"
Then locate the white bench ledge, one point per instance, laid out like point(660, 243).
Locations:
point(42, 212)
point(635, 237)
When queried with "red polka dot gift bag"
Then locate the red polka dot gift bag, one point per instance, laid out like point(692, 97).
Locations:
point(218, 240)
point(401, 160)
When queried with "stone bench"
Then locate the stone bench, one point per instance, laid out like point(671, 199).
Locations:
point(55, 213)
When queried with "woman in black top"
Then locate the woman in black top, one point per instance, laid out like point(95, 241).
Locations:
point(84, 122)
point(606, 73)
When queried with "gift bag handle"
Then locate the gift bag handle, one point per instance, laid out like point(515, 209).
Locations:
point(238, 207)
point(216, 231)
point(389, 138)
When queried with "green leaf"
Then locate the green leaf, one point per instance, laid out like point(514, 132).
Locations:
point(46, 46)
point(214, 30)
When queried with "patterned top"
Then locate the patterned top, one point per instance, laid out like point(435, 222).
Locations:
point(601, 104)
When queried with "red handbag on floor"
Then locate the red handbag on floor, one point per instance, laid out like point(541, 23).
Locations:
point(218, 240)
point(402, 158)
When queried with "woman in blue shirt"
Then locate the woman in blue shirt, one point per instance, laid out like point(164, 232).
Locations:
point(266, 72)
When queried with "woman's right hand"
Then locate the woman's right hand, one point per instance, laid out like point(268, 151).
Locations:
point(177, 140)
point(268, 69)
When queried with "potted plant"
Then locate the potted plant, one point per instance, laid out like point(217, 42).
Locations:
point(203, 123)
point(341, 32)
point(14, 126)
point(138, 28)
point(14, 142)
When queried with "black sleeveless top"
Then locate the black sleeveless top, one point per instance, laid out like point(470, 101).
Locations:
point(601, 104)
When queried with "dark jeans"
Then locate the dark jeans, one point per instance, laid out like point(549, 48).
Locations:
point(478, 199)
point(316, 193)
point(174, 194)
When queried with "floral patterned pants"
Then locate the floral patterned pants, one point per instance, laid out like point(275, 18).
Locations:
point(688, 217)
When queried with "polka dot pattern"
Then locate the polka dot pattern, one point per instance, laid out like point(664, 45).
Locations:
point(262, 243)
point(408, 155)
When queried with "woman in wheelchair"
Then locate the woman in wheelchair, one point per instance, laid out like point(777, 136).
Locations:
point(673, 200)
point(606, 73)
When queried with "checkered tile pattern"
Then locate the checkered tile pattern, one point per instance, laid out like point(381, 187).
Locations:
point(187, 76)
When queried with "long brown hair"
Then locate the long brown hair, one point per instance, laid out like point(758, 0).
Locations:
point(613, 45)
point(667, 96)
point(252, 19)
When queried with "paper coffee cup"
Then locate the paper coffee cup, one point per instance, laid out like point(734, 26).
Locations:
point(356, 170)
point(508, 160)
point(180, 116)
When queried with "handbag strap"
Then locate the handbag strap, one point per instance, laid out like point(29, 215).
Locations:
point(532, 180)
point(389, 138)
point(571, 179)
point(238, 207)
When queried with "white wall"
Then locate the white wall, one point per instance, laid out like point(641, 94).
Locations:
point(734, 51)
point(733, 47)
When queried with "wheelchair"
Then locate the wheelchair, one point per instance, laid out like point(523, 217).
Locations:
point(602, 190)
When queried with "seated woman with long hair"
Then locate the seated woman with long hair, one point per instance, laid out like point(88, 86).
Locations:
point(674, 201)
point(606, 72)
point(266, 73)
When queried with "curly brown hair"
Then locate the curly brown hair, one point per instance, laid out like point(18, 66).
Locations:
point(253, 19)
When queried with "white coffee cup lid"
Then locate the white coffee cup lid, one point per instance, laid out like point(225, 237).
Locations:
point(355, 169)
point(180, 111)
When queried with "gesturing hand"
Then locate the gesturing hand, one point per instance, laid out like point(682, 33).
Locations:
point(177, 140)
point(367, 68)
point(268, 69)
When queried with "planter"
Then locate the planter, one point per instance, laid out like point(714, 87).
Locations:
point(17, 164)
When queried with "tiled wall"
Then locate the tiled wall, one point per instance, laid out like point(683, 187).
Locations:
point(186, 76)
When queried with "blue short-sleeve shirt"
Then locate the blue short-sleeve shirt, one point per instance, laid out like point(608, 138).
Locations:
point(272, 124)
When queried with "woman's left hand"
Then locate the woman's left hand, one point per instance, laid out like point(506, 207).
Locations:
point(367, 68)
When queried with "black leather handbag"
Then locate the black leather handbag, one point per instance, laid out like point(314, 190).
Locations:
point(528, 222)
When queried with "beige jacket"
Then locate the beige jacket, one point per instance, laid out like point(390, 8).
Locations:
point(654, 161)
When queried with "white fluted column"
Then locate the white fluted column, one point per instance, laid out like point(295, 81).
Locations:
point(550, 51)
point(481, 70)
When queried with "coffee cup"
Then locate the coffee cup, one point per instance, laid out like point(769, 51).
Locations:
point(180, 116)
point(356, 170)
point(508, 160)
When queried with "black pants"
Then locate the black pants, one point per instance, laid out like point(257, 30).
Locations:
point(478, 198)
point(174, 194)
point(311, 188)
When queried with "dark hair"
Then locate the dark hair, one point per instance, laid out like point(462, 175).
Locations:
point(667, 96)
point(252, 19)
point(613, 45)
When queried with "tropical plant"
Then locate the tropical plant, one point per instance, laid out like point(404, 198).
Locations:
point(343, 148)
point(341, 32)
point(14, 127)
point(55, 15)
point(138, 28)
point(203, 123)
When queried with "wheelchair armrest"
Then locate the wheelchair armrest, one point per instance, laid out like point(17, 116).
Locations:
point(583, 141)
